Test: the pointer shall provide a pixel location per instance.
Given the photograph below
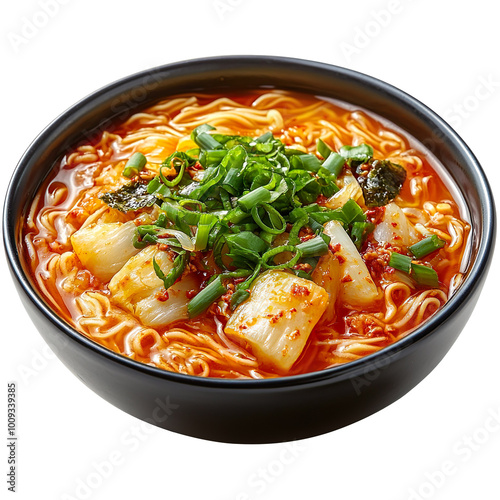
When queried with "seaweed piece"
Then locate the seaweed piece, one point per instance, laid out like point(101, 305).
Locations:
point(382, 183)
point(130, 197)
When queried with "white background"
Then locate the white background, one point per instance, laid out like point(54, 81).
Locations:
point(446, 55)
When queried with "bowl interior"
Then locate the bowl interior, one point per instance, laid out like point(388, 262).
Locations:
point(114, 103)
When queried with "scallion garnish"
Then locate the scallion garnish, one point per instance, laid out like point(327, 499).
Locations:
point(176, 271)
point(271, 254)
point(277, 224)
point(315, 247)
point(424, 275)
point(255, 197)
point(334, 164)
point(234, 195)
point(202, 301)
point(426, 246)
point(134, 165)
point(323, 149)
point(361, 153)
point(400, 262)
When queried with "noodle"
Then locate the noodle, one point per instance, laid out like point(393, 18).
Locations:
point(70, 201)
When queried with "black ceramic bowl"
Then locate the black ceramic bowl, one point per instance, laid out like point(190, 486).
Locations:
point(254, 411)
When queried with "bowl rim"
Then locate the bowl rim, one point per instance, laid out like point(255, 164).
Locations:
point(340, 372)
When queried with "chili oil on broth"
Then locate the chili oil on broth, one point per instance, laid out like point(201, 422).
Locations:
point(69, 201)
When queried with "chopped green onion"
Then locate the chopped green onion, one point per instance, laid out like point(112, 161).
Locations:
point(334, 164)
point(323, 149)
point(200, 136)
point(264, 137)
point(307, 162)
point(236, 215)
point(134, 165)
point(275, 251)
point(424, 275)
point(360, 231)
point(241, 294)
point(202, 301)
point(362, 153)
point(175, 160)
point(353, 212)
point(293, 238)
point(205, 127)
point(206, 141)
point(278, 224)
point(199, 204)
point(204, 226)
point(247, 191)
point(400, 262)
point(211, 157)
point(255, 197)
point(328, 215)
point(426, 246)
point(176, 271)
point(226, 199)
point(314, 247)
point(267, 237)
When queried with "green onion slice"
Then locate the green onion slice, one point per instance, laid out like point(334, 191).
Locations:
point(424, 275)
point(426, 246)
point(314, 247)
point(134, 165)
point(176, 271)
point(400, 262)
point(278, 224)
point(362, 153)
point(202, 301)
point(275, 251)
point(323, 149)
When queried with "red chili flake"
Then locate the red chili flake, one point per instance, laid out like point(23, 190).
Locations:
point(340, 259)
point(276, 317)
point(375, 215)
point(162, 296)
point(294, 335)
point(227, 297)
point(191, 293)
point(303, 267)
point(394, 224)
point(300, 290)
point(306, 237)
point(336, 248)
point(346, 279)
